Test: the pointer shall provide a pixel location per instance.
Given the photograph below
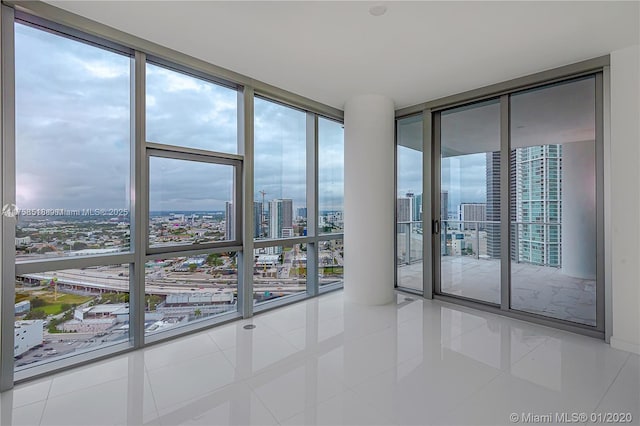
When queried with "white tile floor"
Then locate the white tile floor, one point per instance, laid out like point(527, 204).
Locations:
point(325, 361)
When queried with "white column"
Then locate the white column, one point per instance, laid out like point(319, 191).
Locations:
point(579, 209)
point(369, 122)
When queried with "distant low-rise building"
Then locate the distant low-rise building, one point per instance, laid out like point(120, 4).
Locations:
point(22, 307)
point(28, 334)
point(96, 319)
point(24, 241)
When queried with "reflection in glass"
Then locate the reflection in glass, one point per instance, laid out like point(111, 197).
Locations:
point(470, 201)
point(330, 262)
point(409, 203)
point(184, 289)
point(72, 147)
point(279, 271)
point(63, 313)
point(553, 209)
point(280, 200)
point(190, 202)
point(330, 176)
point(186, 111)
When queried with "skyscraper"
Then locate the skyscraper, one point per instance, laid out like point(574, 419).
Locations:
point(472, 212)
point(403, 209)
point(417, 213)
point(228, 221)
point(258, 212)
point(493, 204)
point(538, 186)
point(444, 205)
point(280, 218)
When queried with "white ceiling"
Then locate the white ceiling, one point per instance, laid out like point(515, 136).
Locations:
point(417, 51)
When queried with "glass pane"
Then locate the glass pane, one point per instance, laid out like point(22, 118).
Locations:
point(330, 176)
point(63, 313)
point(279, 271)
point(189, 202)
point(409, 203)
point(187, 111)
point(553, 209)
point(181, 290)
point(72, 147)
point(330, 262)
point(470, 201)
point(280, 171)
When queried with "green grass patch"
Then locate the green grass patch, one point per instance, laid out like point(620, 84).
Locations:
point(69, 299)
point(53, 309)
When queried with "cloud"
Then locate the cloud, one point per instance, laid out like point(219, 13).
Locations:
point(73, 134)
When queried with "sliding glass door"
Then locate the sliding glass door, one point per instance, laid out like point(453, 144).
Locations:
point(469, 210)
point(553, 201)
point(517, 196)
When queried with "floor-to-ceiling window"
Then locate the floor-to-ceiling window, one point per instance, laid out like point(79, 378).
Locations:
point(330, 201)
point(516, 178)
point(193, 205)
point(127, 201)
point(298, 201)
point(280, 199)
point(73, 206)
point(409, 203)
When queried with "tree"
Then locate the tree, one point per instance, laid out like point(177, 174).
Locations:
point(214, 259)
point(197, 312)
point(78, 245)
point(192, 267)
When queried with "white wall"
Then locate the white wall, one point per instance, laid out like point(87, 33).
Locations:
point(625, 198)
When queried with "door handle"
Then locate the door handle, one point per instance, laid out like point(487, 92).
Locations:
point(436, 227)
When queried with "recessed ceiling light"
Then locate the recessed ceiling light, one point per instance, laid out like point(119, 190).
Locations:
point(378, 10)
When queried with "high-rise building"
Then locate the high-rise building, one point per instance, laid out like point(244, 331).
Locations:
point(444, 205)
point(302, 212)
point(403, 209)
point(416, 208)
point(493, 204)
point(228, 221)
point(280, 218)
point(472, 215)
point(538, 186)
point(258, 218)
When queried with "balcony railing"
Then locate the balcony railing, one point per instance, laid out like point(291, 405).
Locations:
point(475, 240)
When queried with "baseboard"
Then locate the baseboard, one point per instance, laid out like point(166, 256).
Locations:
point(625, 345)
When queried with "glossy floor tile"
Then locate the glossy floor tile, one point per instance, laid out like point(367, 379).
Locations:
point(325, 361)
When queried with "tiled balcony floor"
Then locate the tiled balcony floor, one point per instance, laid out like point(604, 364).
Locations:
point(537, 289)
